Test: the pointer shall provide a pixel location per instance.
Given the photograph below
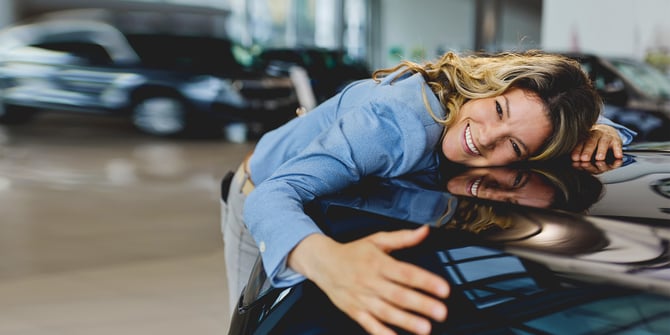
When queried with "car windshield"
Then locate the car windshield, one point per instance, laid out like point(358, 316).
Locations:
point(645, 77)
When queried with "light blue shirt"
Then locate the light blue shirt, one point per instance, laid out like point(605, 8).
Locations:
point(370, 129)
point(626, 134)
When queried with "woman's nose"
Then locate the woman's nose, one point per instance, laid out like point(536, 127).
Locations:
point(491, 135)
point(497, 194)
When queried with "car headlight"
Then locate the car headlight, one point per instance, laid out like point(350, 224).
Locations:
point(203, 88)
point(207, 88)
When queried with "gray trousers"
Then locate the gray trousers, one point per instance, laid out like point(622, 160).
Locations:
point(239, 247)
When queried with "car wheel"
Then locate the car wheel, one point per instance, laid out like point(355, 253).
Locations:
point(162, 116)
point(15, 114)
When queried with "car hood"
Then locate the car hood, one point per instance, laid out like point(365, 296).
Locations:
point(599, 260)
point(619, 233)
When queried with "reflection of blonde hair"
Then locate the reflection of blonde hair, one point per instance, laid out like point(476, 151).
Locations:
point(563, 234)
point(574, 190)
point(476, 217)
point(500, 223)
point(572, 103)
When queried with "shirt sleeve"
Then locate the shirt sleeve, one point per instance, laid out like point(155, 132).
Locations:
point(369, 141)
point(626, 134)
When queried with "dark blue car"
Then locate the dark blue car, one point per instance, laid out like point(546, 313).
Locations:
point(533, 249)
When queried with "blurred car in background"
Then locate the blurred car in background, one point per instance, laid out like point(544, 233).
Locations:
point(635, 94)
point(328, 70)
point(167, 84)
point(539, 249)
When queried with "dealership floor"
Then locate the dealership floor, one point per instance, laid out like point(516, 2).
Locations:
point(107, 231)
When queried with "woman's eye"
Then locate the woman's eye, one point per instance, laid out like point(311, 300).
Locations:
point(516, 148)
point(518, 178)
point(499, 110)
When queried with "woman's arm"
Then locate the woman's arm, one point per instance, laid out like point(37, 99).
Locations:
point(369, 141)
point(360, 277)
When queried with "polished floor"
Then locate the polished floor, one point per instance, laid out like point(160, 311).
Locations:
point(107, 231)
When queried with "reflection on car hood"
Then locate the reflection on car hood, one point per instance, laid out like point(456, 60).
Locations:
point(638, 192)
point(623, 239)
point(508, 262)
point(598, 267)
point(651, 146)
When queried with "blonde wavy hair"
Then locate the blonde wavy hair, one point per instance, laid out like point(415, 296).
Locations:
point(571, 102)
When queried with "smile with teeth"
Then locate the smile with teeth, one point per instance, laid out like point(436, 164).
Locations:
point(474, 187)
point(468, 141)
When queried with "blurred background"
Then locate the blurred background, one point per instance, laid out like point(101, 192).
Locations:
point(381, 31)
point(119, 118)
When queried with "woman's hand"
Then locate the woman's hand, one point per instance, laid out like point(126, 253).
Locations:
point(369, 285)
point(602, 138)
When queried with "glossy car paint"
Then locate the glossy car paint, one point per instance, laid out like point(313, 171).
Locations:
point(594, 264)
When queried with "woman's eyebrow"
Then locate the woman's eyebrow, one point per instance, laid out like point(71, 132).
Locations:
point(525, 147)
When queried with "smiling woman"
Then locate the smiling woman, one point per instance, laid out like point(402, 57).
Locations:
point(490, 133)
point(556, 103)
point(471, 110)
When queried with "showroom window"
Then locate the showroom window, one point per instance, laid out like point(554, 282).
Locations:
point(329, 24)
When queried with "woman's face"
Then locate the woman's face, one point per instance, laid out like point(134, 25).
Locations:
point(497, 131)
point(504, 184)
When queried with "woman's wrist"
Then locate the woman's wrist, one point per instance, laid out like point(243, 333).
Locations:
point(305, 256)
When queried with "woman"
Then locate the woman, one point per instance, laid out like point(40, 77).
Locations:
point(476, 111)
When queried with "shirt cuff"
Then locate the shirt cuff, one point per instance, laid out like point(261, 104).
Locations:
point(626, 134)
point(285, 276)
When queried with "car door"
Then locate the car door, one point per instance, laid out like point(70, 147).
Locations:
point(88, 83)
point(75, 65)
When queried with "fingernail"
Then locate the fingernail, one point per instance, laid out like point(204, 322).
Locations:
point(439, 313)
point(441, 289)
point(423, 327)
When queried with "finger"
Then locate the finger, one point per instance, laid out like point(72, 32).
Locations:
point(617, 149)
point(387, 312)
point(587, 151)
point(399, 239)
point(604, 167)
point(586, 166)
point(405, 273)
point(371, 324)
point(600, 166)
point(417, 277)
point(413, 300)
point(577, 152)
point(603, 147)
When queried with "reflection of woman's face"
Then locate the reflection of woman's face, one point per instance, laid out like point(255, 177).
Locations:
point(504, 184)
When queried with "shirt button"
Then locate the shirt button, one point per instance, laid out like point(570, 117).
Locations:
point(261, 246)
